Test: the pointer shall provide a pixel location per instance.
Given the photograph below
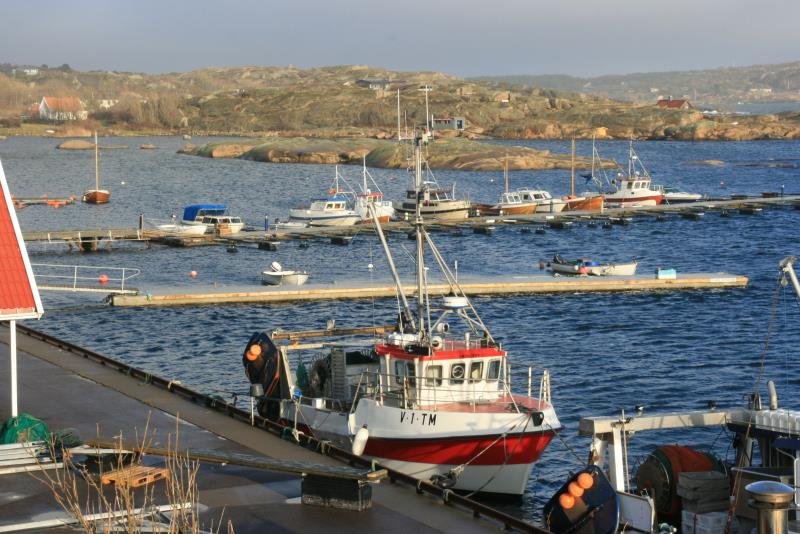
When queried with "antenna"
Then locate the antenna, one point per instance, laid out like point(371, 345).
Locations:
point(427, 89)
point(399, 137)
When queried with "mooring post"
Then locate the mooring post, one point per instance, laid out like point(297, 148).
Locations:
point(771, 500)
point(141, 221)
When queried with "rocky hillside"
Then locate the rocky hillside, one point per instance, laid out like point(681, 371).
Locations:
point(355, 102)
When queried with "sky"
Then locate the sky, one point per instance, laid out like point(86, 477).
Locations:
point(458, 37)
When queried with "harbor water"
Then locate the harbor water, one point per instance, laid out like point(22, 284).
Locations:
point(605, 352)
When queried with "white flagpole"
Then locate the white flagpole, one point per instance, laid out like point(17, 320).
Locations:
point(12, 346)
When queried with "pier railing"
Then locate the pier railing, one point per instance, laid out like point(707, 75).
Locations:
point(90, 278)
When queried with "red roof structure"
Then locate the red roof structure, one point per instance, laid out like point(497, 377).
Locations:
point(70, 104)
point(19, 296)
point(677, 103)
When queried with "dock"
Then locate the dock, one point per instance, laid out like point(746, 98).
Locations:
point(509, 285)
point(88, 240)
point(118, 400)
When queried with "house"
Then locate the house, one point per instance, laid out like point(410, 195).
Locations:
point(448, 123)
point(375, 85)
point(673, 103)
point(62, 108)
point(107, 103)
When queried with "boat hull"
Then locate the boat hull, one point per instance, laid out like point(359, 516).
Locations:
point(592, 203)
point(443, 211)
point(270, 278)
point(186, 230)
point(613, 201)
point(513, 209)
point(96, 196)
point(552, 206)
point(313, 219)
point(613, 269)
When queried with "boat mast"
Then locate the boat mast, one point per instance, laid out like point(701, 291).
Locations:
point(418, 138)
point(573, 167)
point(505, 173)
point(96, 163)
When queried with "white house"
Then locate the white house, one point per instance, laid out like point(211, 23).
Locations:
point(62, 108)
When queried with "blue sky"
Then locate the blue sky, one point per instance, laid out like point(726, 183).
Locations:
point(459, 37)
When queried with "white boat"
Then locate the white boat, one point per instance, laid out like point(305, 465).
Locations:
point(334, 210)
point(586, 266)
point(634, 189)
point(511, 202)
point(545, 203)
point(673, 195)
point(433, 202)
point(276, 276)
point(384, 209)
point(212, 217)
point(180, 229)
point(429, 397)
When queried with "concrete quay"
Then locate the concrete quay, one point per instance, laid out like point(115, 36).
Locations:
point(70, 387)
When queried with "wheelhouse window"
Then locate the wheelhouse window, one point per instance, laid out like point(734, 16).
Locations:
point(475, 371)
point(630, 185)
point(399, 371)
point(493, 372)
point(411, 372)
point(457, 372)
point(433, 375)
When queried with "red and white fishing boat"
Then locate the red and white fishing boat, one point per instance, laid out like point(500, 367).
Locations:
point(634, 189)
point(429, 397)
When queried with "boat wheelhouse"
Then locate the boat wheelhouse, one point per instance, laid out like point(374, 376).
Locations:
point(434, 203)
point(214, 217)
point(545, 203)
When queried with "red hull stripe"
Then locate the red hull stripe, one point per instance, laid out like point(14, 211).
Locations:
point(513, 449)
point(459, 354)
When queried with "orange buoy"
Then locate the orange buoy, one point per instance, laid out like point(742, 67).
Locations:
point(585, 480)
point(103, 279)
point(193, 274)
point(575, 489)
point(566, 501)
point(253, 352)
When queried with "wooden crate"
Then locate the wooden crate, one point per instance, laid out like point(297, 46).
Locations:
point(133, 477)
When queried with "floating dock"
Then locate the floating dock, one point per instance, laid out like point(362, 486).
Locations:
point(101, 399)
point(514, 285)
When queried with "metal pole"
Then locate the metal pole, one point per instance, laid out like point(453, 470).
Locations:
point(12, 349)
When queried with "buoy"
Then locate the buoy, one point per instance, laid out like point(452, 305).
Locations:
point(360, 441)
point(575, 489)
point(253, 352)
point(193, 274)
point(566, 501)
point(585, 480)
point(103, 279)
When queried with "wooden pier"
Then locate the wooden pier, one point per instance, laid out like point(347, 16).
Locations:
point(510, 285)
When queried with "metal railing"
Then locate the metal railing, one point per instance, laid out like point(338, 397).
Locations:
point(83, 277)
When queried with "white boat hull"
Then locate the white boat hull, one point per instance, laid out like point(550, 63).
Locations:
point(443, 211)
point(184, 230)
point(605, 269)
point(552, 206)
point(316, 219)
point(284, 278)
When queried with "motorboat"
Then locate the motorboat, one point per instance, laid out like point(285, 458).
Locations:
point(586, 266)
point(96, 195)
point(372, 195)
point(433, 202)
point(181, 230)
point(545, 203)
point(334, 210)
point(673, 195)
point(428, 396)
point(633, 189)
point(511, 202)
point(213, 217)
point(276, 276)
point(581, 203)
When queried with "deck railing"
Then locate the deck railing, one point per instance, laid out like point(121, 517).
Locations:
point(84, 277)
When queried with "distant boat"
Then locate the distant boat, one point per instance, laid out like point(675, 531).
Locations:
point(585, 266)
point(581, 203)
point(383, 208)
point(673, 195)
point(96, 195)
point(634, 189)
point(435, 202)
point(545, 203)
point(511, 202)
point(276, 276)
point(212, 217)
point(334, 210)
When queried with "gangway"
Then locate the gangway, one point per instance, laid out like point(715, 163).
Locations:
point(85, 278)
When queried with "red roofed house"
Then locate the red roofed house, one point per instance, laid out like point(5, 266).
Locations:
point(62, 108)
point(677, 103)
point(19, 296)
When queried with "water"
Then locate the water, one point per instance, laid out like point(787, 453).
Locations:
point(667, 351)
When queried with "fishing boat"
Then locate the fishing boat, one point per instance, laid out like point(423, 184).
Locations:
point(428, 396)
point(432, 201)
point(276, 276)
point(96, 195)
point(545, 203)
point(213, 218)
point(581, 203)
point(511, 202)
point(384, 209)
point(634, 189)
point(679, 484)
point(586, 266)
point(334, 210)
